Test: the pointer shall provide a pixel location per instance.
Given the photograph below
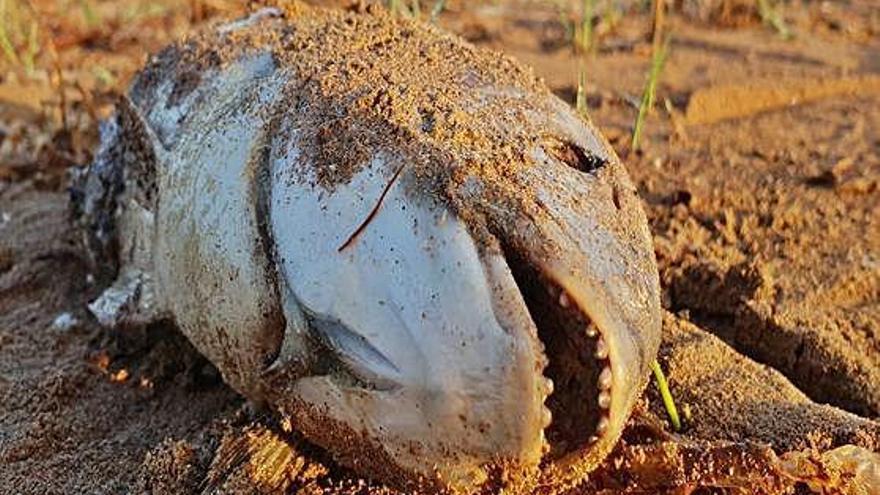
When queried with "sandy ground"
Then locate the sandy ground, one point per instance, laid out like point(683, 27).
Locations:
point(760, 173)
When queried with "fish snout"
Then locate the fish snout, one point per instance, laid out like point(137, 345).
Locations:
point(499, 335)
point(577, 244)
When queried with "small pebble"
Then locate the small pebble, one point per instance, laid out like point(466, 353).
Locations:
point(65, 322)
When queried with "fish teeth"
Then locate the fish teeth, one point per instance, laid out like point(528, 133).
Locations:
point(592, 332)
point(548, 386)
point(605, 378)
point(564, 301)
point(546, 416)
point(601, 349)
point(603, 425)
point(604, 399)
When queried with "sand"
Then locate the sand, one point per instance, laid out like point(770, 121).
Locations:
point(766, 223)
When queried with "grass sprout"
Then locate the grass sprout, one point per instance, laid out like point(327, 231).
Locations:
point(6, 45)
point(89, 14)
point(586, 24)
point(581, 94)
point(666, 395)
point(105, 76)
point(565, 20)
point(19, 35)
point(770, 16)
point(10, 22)
point(583, 34)
point(398, 7)
point(658, 59)
point(436, 10)
point(413, 8)
point(139, 11)
point(395, 6)
point(32, 48)
point(610, 17)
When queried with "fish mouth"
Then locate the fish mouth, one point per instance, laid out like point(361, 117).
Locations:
point(578, 363)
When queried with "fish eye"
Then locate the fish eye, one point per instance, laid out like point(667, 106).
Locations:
point(575, 156)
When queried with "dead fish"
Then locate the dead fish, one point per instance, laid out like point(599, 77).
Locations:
point(404, 245)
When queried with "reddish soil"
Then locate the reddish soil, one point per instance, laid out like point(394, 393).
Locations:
point(759, 170)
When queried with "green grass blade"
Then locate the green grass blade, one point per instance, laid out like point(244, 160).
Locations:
point(394, 6)
point(565, 21)
point(585, 28)
point(771, 17)
point(416, 9)
point(5, 42)
point(89, 14)
point(8, 49)
point(439, 5)
point(658, 59)
point(33, 48)
point(666, 395)
point(581, 95)
point(105, 76)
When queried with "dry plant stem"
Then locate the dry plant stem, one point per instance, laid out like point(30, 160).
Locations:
point(196, 11)
point(88, 101)
point(59, 80)
point(666, 395)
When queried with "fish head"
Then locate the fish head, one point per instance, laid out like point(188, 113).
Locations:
point(495, 333)
point(570, 228)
